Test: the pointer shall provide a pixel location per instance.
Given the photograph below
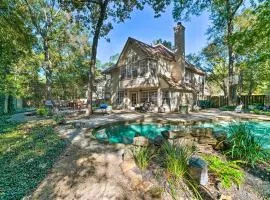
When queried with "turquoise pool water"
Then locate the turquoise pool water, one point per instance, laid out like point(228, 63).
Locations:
point(260, 129)
point(126, 133)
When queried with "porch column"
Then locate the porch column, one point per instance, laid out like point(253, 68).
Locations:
point(159, 97)
point(170, 97)
point(139, 97)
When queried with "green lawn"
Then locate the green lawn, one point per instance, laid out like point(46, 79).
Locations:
point(27, 153)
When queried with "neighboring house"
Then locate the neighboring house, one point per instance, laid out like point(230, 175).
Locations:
point(155, 74)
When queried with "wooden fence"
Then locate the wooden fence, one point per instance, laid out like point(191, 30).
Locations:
point(219, 101)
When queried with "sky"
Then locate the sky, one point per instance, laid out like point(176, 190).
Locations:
point(144, 27)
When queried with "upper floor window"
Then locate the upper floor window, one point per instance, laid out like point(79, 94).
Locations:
point(123, 72)
point(140, 68)
point(134, 71)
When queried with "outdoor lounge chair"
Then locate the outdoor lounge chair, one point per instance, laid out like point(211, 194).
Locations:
point(239, 108)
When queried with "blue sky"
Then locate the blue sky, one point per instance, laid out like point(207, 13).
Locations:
point(143, 26)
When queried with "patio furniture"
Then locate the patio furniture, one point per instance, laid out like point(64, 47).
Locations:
point(239, 108)
point(145, 107)
point(183, 109)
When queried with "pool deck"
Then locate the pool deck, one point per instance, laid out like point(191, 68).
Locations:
point(211, 115)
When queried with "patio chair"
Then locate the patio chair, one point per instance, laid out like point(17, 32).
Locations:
point(239, 108)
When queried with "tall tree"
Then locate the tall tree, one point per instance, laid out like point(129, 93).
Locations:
point(222, 15)
point(49, 23)
point(165, 43)
point(99, 15)
point(251, 40)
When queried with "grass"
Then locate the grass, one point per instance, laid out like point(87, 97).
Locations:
point(176, 159)
point(244, 145)
point(227, 171)
point(143, 156)
point(27, 153)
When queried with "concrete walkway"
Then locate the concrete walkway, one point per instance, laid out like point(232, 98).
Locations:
point(88, 170)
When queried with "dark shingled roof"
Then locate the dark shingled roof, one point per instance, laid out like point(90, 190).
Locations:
point(158, 50)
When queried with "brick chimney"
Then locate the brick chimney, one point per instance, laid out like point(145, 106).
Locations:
point(179, 40)
point(179, 45)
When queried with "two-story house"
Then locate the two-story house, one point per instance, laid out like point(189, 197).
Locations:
point(156, 74)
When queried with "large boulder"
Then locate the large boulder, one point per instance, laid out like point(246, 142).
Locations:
point(127, 155)
point(128, 165)
point(202, 132)
point(141, 141)
point(158, 140)
point(210, 141)
point(220, 135)
point(174, 134)
point(198, 170)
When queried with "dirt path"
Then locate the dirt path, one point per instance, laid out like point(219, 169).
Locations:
point(87, 170)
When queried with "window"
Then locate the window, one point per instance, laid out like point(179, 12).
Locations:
point(153, 67)
point(120, 97)
point(149, 97)
point(153, 97)
point(188, 77)
point(128, 71)
point(134, 71)
point(144, 97)
point(143, 67)
point(123, 72)
point(166, 97)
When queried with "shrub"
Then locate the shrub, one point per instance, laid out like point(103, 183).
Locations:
point(59, 119)
point(204, 104)
point(227, 171)
point(143, 156)
point(42, 111)
point(244, 145)
point(228, 108)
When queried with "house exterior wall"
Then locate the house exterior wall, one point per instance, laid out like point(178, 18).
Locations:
point(139, 76)
point(149, 82)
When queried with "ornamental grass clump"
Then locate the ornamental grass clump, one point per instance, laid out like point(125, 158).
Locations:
point(143, 156)
point(228, 172)
point(244, 145)
point(176, 159)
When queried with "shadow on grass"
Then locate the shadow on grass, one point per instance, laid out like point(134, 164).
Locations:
point(26, 156)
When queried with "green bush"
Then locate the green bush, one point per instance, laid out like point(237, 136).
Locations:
point(260, 112)
point(42, 111)
point(59, 119)
point(244, 145)
point(204, 104)
point(143, 156)
point(227, 108)
point(228, 172)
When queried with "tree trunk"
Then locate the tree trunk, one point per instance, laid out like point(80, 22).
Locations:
point(48, 71)
point(91, 76)
point(231, 62)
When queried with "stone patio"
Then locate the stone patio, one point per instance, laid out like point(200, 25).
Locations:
point(210, 115)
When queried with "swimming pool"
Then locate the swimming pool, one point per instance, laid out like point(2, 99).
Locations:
point(124, 133)
point(261, 129)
